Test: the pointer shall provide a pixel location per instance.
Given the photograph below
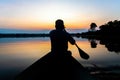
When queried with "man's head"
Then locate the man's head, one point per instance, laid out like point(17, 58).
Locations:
point(59, 24)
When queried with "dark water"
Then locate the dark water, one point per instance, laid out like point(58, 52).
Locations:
point(16, 54)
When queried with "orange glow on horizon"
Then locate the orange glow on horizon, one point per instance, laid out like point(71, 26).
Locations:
point(36, 25)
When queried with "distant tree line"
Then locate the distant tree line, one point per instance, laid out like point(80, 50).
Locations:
point(24, 35)
point(111, 28)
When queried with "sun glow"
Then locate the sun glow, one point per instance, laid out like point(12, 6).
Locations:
point(67, 13)
point(43, 16)
point(53, 12)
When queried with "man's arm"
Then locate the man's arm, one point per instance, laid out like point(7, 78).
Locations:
point(70, 38)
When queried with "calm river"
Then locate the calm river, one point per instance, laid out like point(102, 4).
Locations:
point(16, 54)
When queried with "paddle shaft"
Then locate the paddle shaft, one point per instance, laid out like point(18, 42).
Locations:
point(76, 45)
point(82, 54)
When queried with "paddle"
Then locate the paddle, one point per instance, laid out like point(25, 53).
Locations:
point(83, 54)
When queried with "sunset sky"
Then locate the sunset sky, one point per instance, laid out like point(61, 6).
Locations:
point(41, 14)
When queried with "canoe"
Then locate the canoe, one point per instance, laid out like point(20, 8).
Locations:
point(54, 66)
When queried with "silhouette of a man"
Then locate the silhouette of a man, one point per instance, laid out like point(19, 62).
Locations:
point(60, 38)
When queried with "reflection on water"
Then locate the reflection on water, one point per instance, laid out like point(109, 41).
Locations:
point(16, 54)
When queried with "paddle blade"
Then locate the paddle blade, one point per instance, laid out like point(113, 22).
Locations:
point(83, 54)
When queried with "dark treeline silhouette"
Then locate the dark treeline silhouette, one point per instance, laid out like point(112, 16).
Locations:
point(26, 35)
point(17, 35)
point(110, 29)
